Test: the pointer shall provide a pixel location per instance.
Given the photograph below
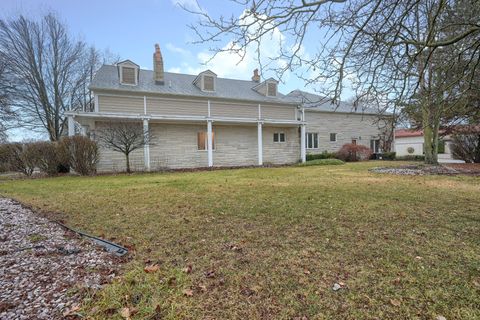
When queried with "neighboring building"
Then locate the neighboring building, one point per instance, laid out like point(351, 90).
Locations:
point(204, 120)
point(410, 143)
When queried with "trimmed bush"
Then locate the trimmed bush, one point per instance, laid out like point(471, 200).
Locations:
point(322, 162)
point(19, 157)
point(389, 155)
point(47, 157)
point(410, 158)
point(354, 152)
point(324, 155)
point(82, 154)
point(4, 158)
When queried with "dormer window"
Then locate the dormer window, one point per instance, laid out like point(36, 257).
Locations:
point(128, 72)
point(268, 88)
point(271, 89)
point(128, 75)
point(208, 83)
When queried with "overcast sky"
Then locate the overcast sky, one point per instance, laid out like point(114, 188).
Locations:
point(131, 28)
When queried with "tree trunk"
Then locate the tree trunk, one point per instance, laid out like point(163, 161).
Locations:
point(127, 157)
point(427, 134)
point(430, 136)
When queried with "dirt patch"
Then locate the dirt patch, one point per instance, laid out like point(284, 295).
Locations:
point(45, 271)
point(467, 168)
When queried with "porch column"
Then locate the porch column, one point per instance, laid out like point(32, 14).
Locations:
point(71, 126)
point(83, 131)
point(209, 143)
point(303, 151)
point(303, 137)
point(146, 146)
point(260, 144)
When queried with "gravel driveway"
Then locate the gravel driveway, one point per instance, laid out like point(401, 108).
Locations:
point(44, 269)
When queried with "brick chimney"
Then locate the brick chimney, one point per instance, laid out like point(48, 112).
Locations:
point(158, 66)
point(256, 76)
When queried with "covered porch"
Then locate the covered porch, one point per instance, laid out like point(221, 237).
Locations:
point(176, 140)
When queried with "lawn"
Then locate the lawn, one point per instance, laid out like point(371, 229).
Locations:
point(270, 243)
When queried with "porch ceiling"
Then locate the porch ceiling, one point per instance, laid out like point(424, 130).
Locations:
point(86, 118)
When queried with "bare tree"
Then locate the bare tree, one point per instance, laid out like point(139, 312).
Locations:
point(7, 115)
point(124, 137)
point(386, 51)
point(49, 72)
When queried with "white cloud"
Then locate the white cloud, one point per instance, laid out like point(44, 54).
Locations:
point(175, 70)
point(240, 65)
point(191, 5)
point(172, 48)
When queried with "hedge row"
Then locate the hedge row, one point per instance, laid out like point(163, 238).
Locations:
point(78, 153)
point(351, 152)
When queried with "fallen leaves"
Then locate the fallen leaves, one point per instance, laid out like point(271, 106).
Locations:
point(395, 302)
point(151, 268)
point(210, 274)
point(235, 247)
point(188, 269)
point(125, 313)
point(128, 312)
point(71, 311)
point(188, 292)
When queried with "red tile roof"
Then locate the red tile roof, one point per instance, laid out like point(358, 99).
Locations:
point(408, 133)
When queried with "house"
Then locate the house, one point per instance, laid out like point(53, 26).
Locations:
point(329, 126)
point(409, 142)
point(205, 120)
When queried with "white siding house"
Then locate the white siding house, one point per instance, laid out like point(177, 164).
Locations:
point(204, 120)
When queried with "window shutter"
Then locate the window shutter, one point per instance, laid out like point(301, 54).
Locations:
point(202, 140)
point(208, 83)
point(128, 75)
point(272, 89)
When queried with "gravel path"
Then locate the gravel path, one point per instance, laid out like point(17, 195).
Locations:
point(419, 170)
point(44, 269)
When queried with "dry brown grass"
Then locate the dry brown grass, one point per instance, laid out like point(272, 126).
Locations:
point(270, 243)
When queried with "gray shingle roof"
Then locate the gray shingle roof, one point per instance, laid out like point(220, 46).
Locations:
point(182, 84)
point(321, 103)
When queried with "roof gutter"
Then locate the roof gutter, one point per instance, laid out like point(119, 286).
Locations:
point(143, 92)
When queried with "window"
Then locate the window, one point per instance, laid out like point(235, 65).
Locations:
point(208, 83)
point(312, 140)
point(202, 140)
point(271, 89)
point(333, 137)
point(354, 141)
point(279, 137)
point(128, 75)
point(375, 145)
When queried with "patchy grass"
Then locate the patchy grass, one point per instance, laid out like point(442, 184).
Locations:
point(35, 237)
point(270, 243)
point(322, 162)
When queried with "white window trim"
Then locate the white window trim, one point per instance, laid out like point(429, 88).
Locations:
point(330, 135)
point(214, 82)
point(376, 143)
point(313, 143)
point(276, 89)
point(135, 75)
point(214, 147)
point(279, 133)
